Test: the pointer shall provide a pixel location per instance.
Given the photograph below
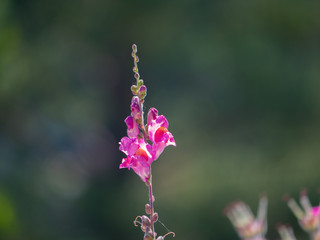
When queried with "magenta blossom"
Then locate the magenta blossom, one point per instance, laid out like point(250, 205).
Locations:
point(139, 156)
point(158, 132)
point(245, 223)
point(139, 153)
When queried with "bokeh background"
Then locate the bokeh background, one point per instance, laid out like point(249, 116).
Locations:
point(237, 80)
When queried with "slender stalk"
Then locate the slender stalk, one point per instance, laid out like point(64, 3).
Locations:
point(151, 202)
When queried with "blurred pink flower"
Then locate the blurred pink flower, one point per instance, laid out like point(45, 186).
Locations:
point(308, 216)
point(245, 223)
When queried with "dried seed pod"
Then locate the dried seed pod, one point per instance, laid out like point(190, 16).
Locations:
point(148, 209)
point(154, 217)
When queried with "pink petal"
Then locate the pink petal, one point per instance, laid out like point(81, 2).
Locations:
point(125, 163)
point(133, 129)
point(129, 145)
point(159, 121)
point(142, 171)
point(135, 107)
point(152, 115)
point(157, 149)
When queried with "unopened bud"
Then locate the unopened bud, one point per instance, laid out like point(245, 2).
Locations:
point(134, 90)
point(132, 127)
point(136, 59)
point(142, 93)
point(135, 108)
point(154, 217)
point(136, 76)
point(134, 69)
point(140, 83)
point(152, 115)
point(134, 48)
point(148, 208)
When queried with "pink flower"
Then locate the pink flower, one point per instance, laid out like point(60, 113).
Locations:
point(139, 156)
point(246, 224)
point(158, 132)
point(133, 129)
point(139, 153)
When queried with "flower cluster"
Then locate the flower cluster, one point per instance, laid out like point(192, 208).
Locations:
point(246, 224)
point(250, 228)
point(308, 216)
point(140, 154)
point(143, 145)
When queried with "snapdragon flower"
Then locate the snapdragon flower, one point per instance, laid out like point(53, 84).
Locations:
point(158, 132)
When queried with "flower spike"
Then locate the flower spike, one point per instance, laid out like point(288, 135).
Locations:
point(140, 153)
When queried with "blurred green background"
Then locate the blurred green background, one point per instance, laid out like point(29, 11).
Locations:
point(238, 81)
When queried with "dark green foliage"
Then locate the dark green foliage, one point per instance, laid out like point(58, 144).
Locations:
point(238, 81)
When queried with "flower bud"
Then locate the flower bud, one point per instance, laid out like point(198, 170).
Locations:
point(134, 48)
point(134, 69)
point(142, 93)
point(148, 209)
point(133, 129)
point(154, 217)
point(139, 83)
point(152, 114)
point(134, 90)
point(135, 108)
